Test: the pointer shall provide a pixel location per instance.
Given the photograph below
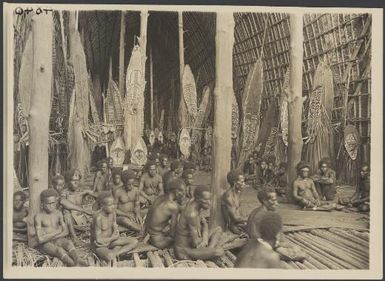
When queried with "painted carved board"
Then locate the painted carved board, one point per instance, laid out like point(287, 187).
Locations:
point(139, 154)
point(199, 120)
point(189, 91)
point(351, 141)
point(117, 151)
point(185, 142)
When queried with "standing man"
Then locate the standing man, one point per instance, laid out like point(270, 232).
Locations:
point(230, 203)
point(325, 180)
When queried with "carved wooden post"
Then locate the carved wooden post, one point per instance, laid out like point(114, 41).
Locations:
point(121, 54)
point(295, 97)
point(41, 76)
point(223, 98)
point(182, 105)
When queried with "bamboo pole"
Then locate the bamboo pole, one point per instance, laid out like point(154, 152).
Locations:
point(38, 120)
point(295, 97)
point(151, 92)
point(121, 54)
point(223, 97)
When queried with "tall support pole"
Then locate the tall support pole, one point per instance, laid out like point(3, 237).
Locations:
point(143, 46)
point(151, 92)
point(121, 54)
point(182, 105)
point(42, 32)
point(295, 97)
point(223, 98)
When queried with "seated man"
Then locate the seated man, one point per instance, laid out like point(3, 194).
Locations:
point(325, 180)
point(304, 191)
point(162, 215)
point(193, 240)
point(105, 239)
point(361, 198)
point(189, 165)
point(110, 167)
point(151, 184)
point(71, 199)
point(128, 205)
point(187, 177)
point(280, 180)
point(250, 168)
point(51, 231)
point(264, 175)
point(176, 170)
point(163, 168)
point(116, 182)
point(259, 253)
point(205, 162)
point(101, 178)
point(20, 213)
point(268, 199)
point(230, 203)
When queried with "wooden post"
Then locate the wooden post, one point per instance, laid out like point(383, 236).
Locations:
point(143, 46)
point(151, 93)
point(182, 105)
point(41, 76)
point(295, 97)
point(223, 97)
point(121, 54)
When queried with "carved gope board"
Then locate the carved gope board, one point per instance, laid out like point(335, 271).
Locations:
point(94, 112)
point(351, 141)
point(114, 112)
point(235, 117)
point(135, 81)
point(160, 137)
point(284, 114)
point(271, 143)
point(202, 112)
point(117, 151)
point(185, 142)
point(189, 91)
point(139, 154)
point(25, 81)
point(314, 114)
point(78, 59)
point(251, 105)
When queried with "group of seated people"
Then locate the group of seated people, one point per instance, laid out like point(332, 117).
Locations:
point(163, 204)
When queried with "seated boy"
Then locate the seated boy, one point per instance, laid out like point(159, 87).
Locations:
point(105, 239)
point(51, 231)
point(20, 213)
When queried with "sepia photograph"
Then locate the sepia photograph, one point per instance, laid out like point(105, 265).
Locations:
point(203, 141)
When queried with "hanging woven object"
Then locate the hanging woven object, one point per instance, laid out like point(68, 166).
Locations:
point(200, 118)
point(351, 141)
point(189, 93)
point(25, 81)
point(185, 142)
point(251, 104)
point(284, 113)
point(139, 153)
point(134, 100)
point(94, 111)
point(114, 111)
point(235, 117)
point(161, 120)
point(269, 121)
point(208, 137)
point(117, 151)
point(271, 143)
point(320, 137)
point(151, 138)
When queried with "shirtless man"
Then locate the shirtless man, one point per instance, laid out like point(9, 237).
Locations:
point(176, 170)
point(110, 167)
point(268, 199)
point(162, 215)
point(193, 240)
point(163, 168)
point(280, 180)
point(259, 253)
point(101, 177)
point(187, 177)
point(304, 191)
point(151, 184)
point(128, 205)
point(20, 212)
point(116, 182)
point(105, 239)
point(230, 203)
point(325, 180)
point(71, 199)
point(51, 231)
point(361, 198)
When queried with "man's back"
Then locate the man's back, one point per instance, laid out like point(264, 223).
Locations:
point(160, 213)
point(257, 255)
point(254, 220)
